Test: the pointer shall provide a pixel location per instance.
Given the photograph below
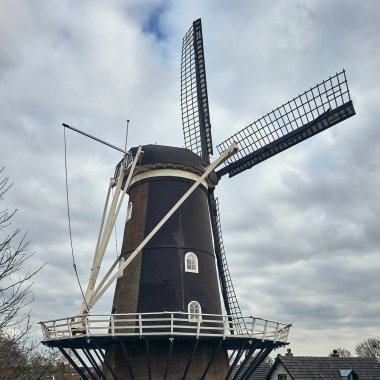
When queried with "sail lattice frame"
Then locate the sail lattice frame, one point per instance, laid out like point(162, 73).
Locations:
point(230, 300)
point(194, 97)
point(315, 110)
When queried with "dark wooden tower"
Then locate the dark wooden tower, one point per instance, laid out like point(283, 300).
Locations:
point(175, 314)
point(176, 271)
point(163, 277)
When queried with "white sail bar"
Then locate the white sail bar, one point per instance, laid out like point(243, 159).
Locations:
point(99, 291)
point(105, 233)
point(87, 295)
point(103, 218)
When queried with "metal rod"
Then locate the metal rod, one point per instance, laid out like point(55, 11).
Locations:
point(257, 362)
point(252, 366)
point(100, 358)
point(93, 362)
point(236, 360)
point(148, 358)
point(95, 138)
point(106, 361)
point(190, 359)
point(245, 361)
point(211, 359)
point(169, 357)
point(124, 348)
point(93, 377)
point(126, 135)
point(101, 361)
point(72, 362)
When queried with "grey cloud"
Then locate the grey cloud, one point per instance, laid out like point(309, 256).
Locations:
point(300, 230)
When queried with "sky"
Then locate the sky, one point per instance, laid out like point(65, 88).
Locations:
point(301, 230)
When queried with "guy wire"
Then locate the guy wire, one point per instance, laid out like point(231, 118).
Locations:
point(69, 220)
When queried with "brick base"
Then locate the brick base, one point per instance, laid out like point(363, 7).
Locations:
point(158, 352)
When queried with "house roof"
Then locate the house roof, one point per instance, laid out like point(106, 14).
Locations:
point(328, 368)
point(259, 374)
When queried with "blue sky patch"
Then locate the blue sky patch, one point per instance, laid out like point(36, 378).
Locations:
point(153, 25)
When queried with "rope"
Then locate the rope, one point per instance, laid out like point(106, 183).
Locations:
point(69, 220)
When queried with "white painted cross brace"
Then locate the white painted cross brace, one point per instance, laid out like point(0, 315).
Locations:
point(104, 235)
point(91, 283)
point(99, 291)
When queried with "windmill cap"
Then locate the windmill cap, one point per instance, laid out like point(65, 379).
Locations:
point(159, 155)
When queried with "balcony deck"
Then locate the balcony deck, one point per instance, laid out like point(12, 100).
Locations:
point(163, 325)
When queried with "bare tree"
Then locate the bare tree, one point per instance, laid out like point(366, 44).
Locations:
point(20, 357)
point(369, 348)
point(15, 288)
point(25, 360)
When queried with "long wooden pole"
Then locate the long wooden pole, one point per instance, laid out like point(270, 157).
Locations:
point(95, 138)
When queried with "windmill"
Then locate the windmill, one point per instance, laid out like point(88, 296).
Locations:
point(167, 320)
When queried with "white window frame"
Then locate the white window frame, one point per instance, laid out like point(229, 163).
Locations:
point(129, 211)
point(194, 316)
point(189, 256)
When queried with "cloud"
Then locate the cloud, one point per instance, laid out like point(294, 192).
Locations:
point(301, 229)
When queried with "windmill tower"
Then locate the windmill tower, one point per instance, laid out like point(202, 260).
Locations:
point(167, 320)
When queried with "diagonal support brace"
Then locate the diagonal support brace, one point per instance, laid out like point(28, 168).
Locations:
point(105, 234)
point(99, 291)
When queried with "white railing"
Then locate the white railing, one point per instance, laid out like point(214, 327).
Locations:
point(165, 323)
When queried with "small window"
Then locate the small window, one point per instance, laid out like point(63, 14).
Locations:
point(282, 377)
point(191, 262)
point(195, 311)
point(129, 211)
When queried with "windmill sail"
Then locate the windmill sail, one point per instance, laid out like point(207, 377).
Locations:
point(321, 107)
point(229, 297)
point(194, 100)
point(197, 135)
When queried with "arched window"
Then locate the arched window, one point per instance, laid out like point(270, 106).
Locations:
point(191, 262)
point(129, 211)
point(195, 311)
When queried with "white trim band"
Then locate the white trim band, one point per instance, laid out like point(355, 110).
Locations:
point(167, 173)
